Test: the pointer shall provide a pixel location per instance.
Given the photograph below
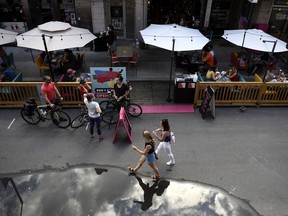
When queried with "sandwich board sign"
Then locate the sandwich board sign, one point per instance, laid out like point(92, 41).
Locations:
point(123, 120)
point(208, 103)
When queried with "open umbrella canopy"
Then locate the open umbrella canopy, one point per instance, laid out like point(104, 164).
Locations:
point(7, 36)
point(185, 38)
point(53, 26)
point(57, 39)
point(255, 39)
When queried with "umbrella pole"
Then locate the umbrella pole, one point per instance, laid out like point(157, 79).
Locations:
point(49, 60)
point(171, 68)
point(269, 62)
point(243, 42)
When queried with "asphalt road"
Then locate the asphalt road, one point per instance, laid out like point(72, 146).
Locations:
point(244, 153)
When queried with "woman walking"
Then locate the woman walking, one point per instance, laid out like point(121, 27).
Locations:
point(165, 140)
point(148, 154)
point(94, 114)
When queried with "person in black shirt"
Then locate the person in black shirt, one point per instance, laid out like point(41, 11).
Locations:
point(120, 91)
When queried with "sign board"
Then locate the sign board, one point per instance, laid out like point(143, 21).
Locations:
point(102, 79)
point(208, 103)
point(124, 120)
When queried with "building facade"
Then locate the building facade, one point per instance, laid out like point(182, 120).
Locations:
point(130, 16)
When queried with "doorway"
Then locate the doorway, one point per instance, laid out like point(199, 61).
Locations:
point(122, 15)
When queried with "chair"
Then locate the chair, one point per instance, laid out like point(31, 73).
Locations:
point(11, 60)
point(40, 65)
point(134, 60)
point(115, 59)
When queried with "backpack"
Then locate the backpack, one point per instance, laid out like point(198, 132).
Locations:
point(173, 139)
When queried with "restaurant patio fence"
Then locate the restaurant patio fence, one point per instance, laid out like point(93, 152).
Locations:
point(13, 94)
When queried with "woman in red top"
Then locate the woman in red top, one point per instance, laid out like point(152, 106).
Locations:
point(84, 88)
point(233, 74)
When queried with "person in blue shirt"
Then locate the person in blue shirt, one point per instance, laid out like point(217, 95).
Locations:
point(8, 74)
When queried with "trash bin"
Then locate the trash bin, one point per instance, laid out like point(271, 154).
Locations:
point(184, 89)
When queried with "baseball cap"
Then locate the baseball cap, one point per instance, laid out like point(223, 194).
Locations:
point(71, 71)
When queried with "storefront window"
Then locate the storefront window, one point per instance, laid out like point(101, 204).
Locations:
point(281, 2)
point(278, 20)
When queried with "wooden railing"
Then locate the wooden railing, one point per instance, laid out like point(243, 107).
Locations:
point(226, 93)
point(245, 94)
point(14, 94)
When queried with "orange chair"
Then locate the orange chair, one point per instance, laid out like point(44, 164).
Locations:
point(134, 60)
point(40, 65)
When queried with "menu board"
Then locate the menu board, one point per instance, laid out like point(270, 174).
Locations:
point(208, 103)
point(124, 120)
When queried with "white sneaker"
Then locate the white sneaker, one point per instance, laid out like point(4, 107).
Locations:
point(170, 163)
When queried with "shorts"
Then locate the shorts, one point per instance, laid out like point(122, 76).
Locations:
point(150, 158)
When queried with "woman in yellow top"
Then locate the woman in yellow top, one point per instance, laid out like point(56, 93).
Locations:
point(210, 75)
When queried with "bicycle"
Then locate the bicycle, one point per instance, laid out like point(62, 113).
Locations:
point(110, 112)
point(82, 118)
point(33, 114)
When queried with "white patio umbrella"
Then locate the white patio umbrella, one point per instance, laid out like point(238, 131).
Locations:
point(255, 39)
point(174, 38)
point(58, 36)
point(53, 36)
point(7, 36)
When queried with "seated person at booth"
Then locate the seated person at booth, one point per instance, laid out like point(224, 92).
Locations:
point(69, 76)
point(233, 74)
point(69, 59)
point(211, 74)
point(259, 66)
point(182, 61)
point(7, 74)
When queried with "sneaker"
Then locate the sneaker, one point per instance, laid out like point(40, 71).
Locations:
point(92, 136)
point(101, 138)
point(62, 119)
point(170, 163)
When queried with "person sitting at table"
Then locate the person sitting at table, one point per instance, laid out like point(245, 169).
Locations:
point(69, 76)
point(259, 66)
point(233, 74)
point(69, 60)
point(8, 74)
point(182, 61)
point(211, 74)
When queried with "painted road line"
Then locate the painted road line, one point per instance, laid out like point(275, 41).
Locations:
point(11, 124)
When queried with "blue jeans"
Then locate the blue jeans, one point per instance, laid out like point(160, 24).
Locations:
point(92, 121)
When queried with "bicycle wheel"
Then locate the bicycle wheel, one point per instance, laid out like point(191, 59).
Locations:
point(110, 117)
point(31, 117)
point(106, 105)
point(134, 110)
point(79, 121)
point(60, 118)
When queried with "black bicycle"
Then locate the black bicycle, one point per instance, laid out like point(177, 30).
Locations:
point(82, 118)
point(110, 112)
point(33, 114)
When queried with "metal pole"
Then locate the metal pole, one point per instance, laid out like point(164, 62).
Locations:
point(243, 41)
point(49, 60)
point(171, 68)
point(273, 49)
